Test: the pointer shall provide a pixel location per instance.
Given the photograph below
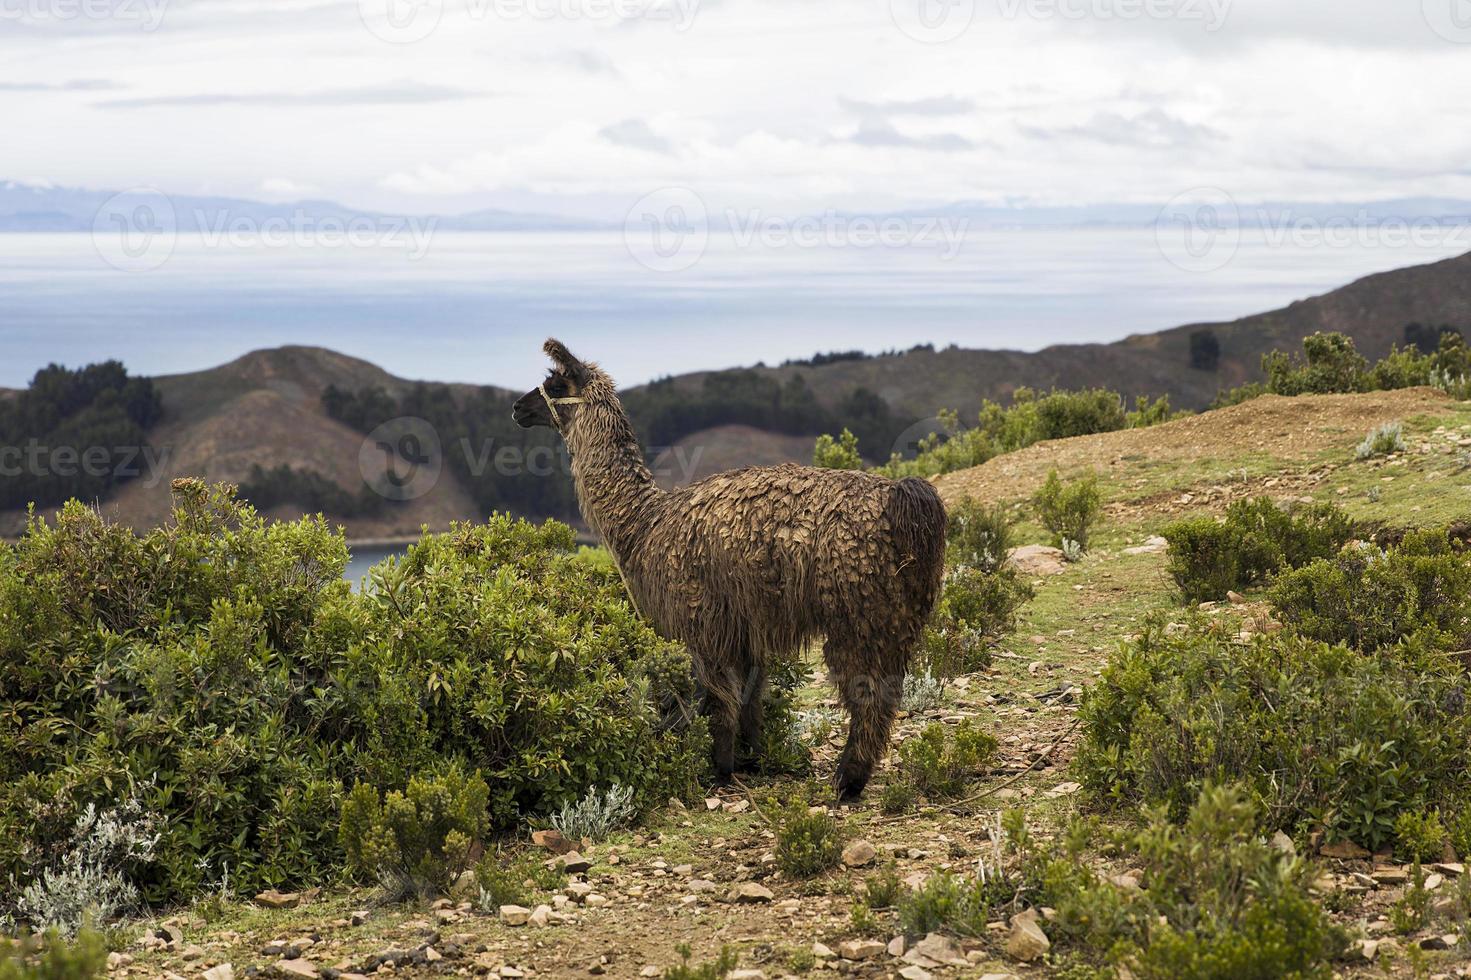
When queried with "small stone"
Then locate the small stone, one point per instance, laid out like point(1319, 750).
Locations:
point(577, 890)
point(698, 885)
point(1391, 876)
point(273, 899)
point(1282, 843)
point(859, 854)
point(684, 869)
point(861, 949)
point(745, 975)
point(712, 803)
point(915, 973)
point(822, 952)
point(651, 971)
point(1450, 869)
point(222, 972)
point(540, 916)
point(935, 950)
point(358, 917)
point(572, 862)
point(1434, 881)
point(896, 946)
point(1447, 941)
point(1235, 598)
point(750, 893)
point(1368, 948)
point(1000, 976)
point(1063, 789)
point(1027, 941)
point(192, 952)
point(595, 901)
point(297, 969)
point(116, 961)
point(552, 840)
point(511, 972)
point(515, 915)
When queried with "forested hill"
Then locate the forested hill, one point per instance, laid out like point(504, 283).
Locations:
point(292, 425)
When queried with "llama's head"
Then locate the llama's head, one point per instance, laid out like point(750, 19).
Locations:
point(554, 402)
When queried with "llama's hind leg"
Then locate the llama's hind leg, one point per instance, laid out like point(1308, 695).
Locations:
point(753, 703)
point(872, 698)
point(723, 708)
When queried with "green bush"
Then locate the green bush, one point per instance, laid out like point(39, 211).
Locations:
point(1256, 539)
point(808, 842)
point(979, 536)
point(512, 880)
point(1324, 736)
point(1419, 836)
point(417, 841)
point(975, 610)
point(837, 454)
point(961, 904)
point(1330, 364)
point(1384, 440)
point(1370, 599)
point(1069, 510)
point(50, 957)
point(940, 761)
point(220, 671)
point(713, 970)
point(1214, 899)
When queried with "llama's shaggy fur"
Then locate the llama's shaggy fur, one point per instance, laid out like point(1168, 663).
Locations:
point(753, 563)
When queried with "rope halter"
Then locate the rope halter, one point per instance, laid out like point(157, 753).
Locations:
point(552, 403)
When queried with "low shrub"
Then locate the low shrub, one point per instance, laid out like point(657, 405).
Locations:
point(922, 691)
point(975, 610)
point(1383, 440)
point(898, 796)
point(418, 841)
point(837, 454)
point(979, 536)
point(1208, 558)
point(51, 957)
point(808, 841)
point(219, 670)
point(92, 881)
point(1419, 836)
point(1214, 900)
point(597, 814)
point(940, 761)
point(1330, 363)
point(501, 879)
point(947, 902)
point(1069, 510)
point(883, 887)
point(1370, 599)
point(1323, 736)
point(715, 969)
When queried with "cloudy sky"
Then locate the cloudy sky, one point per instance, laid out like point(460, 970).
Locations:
point(583, 106)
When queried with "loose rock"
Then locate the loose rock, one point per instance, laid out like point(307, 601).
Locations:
point(859, 854)
point(1027, 941)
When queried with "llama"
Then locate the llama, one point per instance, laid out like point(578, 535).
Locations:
point(751, 564)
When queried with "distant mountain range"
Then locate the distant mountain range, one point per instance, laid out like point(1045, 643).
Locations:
point(266, 408)
point(31, 208)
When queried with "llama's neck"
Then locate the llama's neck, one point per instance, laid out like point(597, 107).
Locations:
point(615, 489)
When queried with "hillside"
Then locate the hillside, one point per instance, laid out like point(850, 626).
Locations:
point(675, 879)
point(265, 409)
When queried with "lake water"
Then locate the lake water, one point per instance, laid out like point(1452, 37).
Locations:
point(475, 307)
point(364, 557)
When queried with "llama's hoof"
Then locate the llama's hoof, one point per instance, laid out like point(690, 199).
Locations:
point(850, 788)
point(724, 778)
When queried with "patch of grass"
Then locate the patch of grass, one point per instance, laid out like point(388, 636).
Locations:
point(715, 969)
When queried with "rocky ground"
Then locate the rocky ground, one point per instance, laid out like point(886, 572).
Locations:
point(704, 875)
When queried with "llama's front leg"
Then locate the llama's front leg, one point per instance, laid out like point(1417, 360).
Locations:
point(753, 704)
point(872, 701)
point(724, 720)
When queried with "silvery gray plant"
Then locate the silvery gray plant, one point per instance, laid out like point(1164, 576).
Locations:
point(596, 815)
point(90, 883)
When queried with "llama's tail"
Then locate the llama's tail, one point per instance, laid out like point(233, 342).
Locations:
point(917, 521)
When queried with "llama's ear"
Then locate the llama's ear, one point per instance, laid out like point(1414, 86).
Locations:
point(562, 357)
